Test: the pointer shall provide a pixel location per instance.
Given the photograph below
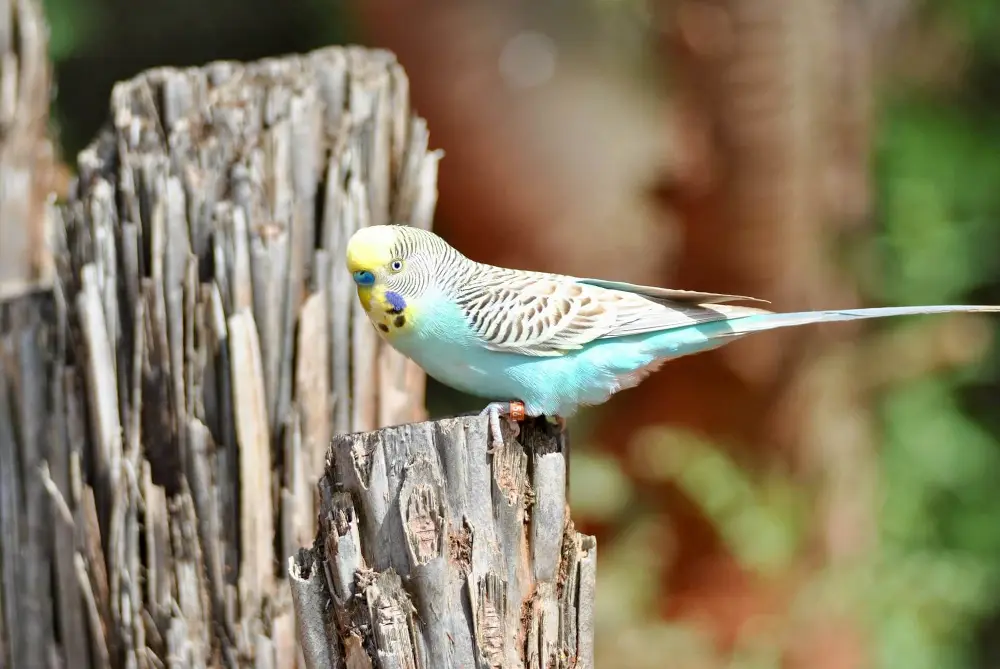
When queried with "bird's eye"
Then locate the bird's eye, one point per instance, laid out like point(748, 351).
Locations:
point(364, 278)
point(396, 265)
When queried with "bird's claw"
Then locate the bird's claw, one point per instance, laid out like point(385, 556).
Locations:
point(513, 411)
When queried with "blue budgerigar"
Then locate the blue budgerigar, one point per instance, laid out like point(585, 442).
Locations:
point(544, 344)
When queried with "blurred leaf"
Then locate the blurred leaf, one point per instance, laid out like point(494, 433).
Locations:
point(978, 20)
point(938, 172)
point(629, 577)
point(931, 436)
point(941, 538)
point(599, 489)
point(73, 25)
point(925, 608)
point(759, 522)
point(759, 644)
point(646, 645)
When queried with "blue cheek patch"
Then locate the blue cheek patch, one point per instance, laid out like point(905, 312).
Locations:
point(396, 301)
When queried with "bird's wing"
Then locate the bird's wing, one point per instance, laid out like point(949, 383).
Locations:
point(547, 315)
point(669, 294)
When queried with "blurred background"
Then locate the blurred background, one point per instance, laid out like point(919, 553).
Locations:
point(823, 497)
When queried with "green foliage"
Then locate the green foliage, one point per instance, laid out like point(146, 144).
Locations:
point(940, 536)
point(759, 519)
point(939, 182)
point(978, 21)
point(73, 26)
point(938, 176)
point(609, 493)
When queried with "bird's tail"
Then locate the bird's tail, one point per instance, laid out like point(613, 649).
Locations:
point(759, 322)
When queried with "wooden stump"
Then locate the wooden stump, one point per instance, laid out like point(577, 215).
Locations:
point(179, 342)
point(218, 341)
point(435, 552)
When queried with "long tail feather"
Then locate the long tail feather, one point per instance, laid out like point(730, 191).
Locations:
point(770, 321)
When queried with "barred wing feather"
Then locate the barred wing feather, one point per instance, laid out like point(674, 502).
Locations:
point(550, 315)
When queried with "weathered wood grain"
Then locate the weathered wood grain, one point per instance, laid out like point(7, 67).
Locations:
point(207, 230)
point(168, 394)
point(27, 389)
point(438, 552)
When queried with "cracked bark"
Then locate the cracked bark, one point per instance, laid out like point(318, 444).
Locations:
point(438, 553)
point(216, 343)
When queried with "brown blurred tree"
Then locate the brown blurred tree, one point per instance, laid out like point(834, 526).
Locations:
point(773, 100)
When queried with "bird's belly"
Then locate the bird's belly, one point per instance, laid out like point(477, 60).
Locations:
point(551, 386)
point(555, 385)
point(475, 377)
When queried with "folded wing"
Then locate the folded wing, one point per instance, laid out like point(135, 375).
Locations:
point(547, 315)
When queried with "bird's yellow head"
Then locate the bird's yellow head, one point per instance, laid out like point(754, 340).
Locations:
point(392, 265)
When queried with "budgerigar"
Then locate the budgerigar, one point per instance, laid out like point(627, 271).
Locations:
point(544, 344)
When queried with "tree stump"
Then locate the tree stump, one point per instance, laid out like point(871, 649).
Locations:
point(436, 551)
point(217, 342)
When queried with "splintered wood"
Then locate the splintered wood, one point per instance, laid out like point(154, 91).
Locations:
point(166, 408)
point(439, 552)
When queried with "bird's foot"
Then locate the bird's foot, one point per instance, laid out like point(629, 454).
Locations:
point(513, 411)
